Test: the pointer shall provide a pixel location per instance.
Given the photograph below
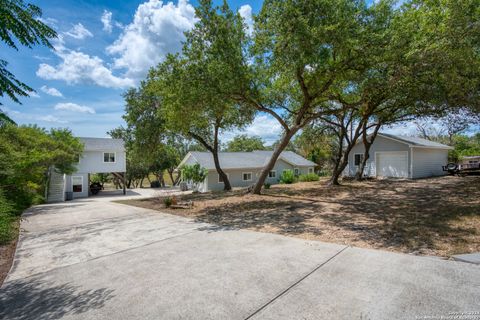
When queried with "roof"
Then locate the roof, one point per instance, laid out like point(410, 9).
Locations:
point(416, 142)
point(239, 160)
point(102, 144)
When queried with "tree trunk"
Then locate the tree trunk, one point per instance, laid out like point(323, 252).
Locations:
point(141, 182)
point(367, 143)
point(271, 163)
point(221, 173)
point(170, 174)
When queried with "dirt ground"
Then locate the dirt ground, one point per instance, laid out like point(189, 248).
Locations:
point(7, 252)
point(437, 216)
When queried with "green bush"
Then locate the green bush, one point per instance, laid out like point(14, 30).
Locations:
point(287, 177)
point(308, 177)
point(267, 185)
point(7, 217)
point(168, 202)
point(155, 184)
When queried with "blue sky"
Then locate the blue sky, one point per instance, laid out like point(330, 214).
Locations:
point(103, 48)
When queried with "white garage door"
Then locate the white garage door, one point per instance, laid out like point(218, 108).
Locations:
point(392, 164)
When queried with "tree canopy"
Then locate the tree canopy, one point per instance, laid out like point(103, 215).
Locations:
point(245, 143)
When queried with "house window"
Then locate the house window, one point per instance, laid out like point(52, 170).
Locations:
point(272, 174)
point(77, 183)
point(247, 176)
point(358, 158)
point(220, 180)
point(310, 170)
point(109, 157)
point(296, 171)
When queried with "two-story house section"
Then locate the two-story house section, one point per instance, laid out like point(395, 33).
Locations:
point(100, 155)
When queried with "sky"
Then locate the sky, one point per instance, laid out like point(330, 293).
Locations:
point(103, 48)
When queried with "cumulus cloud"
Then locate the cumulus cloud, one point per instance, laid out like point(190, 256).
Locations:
point(69, 106)
point(157, 29)
point(50, 118)
point(33, 94)
point(245, 12)
point(78, 67)
point(79, 32)
point(264, 126)
point(51, 91)
point(107, 21)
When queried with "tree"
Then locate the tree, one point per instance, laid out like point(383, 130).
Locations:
point(315, 143)
point(195, 174)
point(245, 143)
point(20, 23)
point(300, 50)
point(191, 85)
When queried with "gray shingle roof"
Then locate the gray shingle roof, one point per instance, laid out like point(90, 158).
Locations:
point(238, 160)
point(415, 141)
point(102, 144)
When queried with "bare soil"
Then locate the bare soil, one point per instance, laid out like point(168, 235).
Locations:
point(436, 216)
point(7, 252)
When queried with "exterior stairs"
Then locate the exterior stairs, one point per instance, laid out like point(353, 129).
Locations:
point(56, 187)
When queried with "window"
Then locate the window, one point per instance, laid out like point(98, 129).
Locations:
point(247, 176)
point(358, 158)
point(77, 183)
point(296, 172)
point(310, 170)
point(109, 157)
point(77, 158)
point(272, 174)
point(220, 180)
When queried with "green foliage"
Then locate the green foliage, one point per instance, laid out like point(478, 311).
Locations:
point(7, 217)
point(308, 177)
point(167, 201)
point(26, 155)
point(194, 173)
point(287, 177)
point(245, 143)
point(19, 22)
point(267, 185)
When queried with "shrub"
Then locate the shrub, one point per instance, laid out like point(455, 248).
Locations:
point(287, 177)
point(7, 217)
point(155, 184)
point(308, 177)
point(167, 201)
point(267, 185)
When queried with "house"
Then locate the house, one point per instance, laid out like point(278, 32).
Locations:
point(400, 157)
point(100, 155)
point(243, 168)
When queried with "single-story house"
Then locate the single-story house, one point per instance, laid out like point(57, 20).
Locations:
point(400, 157)
point(243, 168)
point(100, 155)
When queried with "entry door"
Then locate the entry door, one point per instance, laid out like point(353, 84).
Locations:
point(392, 164)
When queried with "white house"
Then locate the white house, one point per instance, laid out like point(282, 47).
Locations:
point(100, 155)
point(400, 157)
point(243, 168)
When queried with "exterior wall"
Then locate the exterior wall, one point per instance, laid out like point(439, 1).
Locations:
point(380, 144)
point(236, 176)
point(85, 186)
point(428, 162)
point(92, 162)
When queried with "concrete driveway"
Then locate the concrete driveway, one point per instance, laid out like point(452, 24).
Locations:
point(101, 260)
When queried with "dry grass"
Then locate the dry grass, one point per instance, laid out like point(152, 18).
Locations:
point(438, 216)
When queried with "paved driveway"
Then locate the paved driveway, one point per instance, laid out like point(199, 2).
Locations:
point(101, 260)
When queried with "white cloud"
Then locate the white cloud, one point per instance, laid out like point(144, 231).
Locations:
point(33, 94)
point(245, 12)
point(79, 32)
point(264, 126)
point(50, 118)
point(78, 67)
point(107, 21)
point(157, 29)
point(51, 91)
point(69, 106)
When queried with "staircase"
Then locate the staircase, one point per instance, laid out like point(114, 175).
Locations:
point(56, 187)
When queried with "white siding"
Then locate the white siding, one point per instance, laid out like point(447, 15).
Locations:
point(380, 144)
point(92, 162)
point(428, 162)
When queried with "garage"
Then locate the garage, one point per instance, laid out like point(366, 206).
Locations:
point(399, 157)
point(392, 164)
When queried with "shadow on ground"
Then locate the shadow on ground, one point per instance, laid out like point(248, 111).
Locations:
point(30, 298)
